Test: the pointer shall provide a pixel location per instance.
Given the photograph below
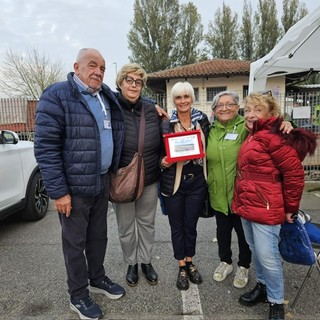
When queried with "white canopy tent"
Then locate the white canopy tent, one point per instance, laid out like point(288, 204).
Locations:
point(298, 51)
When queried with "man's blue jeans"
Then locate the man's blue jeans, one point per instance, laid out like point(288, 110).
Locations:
point(263, 241)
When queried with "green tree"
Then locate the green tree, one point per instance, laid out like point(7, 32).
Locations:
point(293, 11)
point(223, 32)
point(190, 35)
point(164, 34)
point(246, 42)
point(28, 74)
point(151, 38)
point(268, 31)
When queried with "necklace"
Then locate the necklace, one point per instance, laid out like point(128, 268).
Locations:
point(184, 128)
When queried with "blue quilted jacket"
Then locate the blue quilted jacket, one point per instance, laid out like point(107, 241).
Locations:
point(67, 142)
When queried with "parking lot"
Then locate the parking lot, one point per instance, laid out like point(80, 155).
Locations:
point(33, 278)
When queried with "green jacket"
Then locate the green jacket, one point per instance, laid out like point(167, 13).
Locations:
point(223, 146)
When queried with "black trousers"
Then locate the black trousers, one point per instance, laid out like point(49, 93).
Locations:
point(225, 225)
point(84, 240)
point(184, 209)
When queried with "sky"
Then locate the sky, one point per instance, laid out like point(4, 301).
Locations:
point(60, 28)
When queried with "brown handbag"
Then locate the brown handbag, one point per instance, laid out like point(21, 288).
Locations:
point(126, 185)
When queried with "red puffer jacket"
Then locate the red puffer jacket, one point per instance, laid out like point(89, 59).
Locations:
point(270, 177)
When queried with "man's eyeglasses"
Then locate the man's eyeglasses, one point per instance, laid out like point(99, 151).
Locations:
point(228, 106)
point(131, 81)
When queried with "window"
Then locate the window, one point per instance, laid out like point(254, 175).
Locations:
point(212, 91)
point(196, 94)
point(245, 90)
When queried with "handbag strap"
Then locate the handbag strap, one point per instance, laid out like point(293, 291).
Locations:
point(140, 149)
point(141, 133)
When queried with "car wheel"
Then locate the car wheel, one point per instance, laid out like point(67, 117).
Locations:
point(37, 199)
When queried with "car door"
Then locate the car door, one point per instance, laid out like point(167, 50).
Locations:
point(11, 174)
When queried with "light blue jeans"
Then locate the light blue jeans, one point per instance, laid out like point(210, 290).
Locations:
point(263, 241)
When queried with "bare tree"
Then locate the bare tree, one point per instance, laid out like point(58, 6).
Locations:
point(27, 75)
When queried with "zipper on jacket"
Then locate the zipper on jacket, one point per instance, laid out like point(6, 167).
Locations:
point(262, 198)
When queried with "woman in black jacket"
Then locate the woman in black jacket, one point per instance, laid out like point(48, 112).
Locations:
point(183, 185)
point(136, 220)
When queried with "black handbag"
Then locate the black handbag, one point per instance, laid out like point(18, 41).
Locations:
point(207, 211)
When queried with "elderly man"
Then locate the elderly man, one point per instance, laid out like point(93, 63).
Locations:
point(78, 137)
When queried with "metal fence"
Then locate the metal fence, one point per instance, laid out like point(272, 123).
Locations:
point(302, 108)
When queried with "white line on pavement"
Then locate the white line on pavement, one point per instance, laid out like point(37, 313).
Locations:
point(191, 303)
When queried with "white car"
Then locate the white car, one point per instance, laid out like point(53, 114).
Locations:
point(21, 187)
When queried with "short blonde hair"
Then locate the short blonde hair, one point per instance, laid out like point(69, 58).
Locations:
point(180, 88)
point(265, 100)
point(130, 68)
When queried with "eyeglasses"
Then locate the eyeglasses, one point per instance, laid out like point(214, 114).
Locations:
point(228, 106)
point(131, 81)
point(267, 93)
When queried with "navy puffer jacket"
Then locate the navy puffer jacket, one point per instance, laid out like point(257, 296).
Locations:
point(168, 175)
point(67, 141)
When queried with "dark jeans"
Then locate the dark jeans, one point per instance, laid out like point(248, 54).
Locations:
point(84, 240)
point(184, 209)
point(225, 224)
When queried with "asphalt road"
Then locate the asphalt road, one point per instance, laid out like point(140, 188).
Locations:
point(33, 277)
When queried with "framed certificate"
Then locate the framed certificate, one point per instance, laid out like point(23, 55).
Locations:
point(182, 146)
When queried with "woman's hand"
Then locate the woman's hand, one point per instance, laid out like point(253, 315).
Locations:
point(290, 217)
point(165, 164)
point(286, 127)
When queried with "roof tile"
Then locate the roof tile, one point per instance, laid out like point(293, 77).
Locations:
point(214, 67)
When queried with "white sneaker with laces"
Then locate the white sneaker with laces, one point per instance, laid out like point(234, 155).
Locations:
point(241, 277)
point(222, 271)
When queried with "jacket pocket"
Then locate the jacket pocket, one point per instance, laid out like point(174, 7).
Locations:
point(263, 198)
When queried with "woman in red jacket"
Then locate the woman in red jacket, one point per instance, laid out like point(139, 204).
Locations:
point(267, 192)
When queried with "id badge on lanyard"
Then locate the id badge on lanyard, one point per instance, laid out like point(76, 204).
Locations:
point(106, 124)
point(106, 121)
point(231, 135)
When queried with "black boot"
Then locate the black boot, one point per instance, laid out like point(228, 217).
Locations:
point(132, 275)
point(183, 279)
point(256, 295)
point(151, 275)
point(276, 311)
point(194, 275)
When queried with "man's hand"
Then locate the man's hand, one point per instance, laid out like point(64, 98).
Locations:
point(161, 112)
point(63, 205)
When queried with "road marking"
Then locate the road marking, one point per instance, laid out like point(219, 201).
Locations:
point(191, 304)
point(317, 194)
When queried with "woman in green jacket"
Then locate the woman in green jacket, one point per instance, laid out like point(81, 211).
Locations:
point(226, 135)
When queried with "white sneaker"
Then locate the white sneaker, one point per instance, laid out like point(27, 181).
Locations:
point(222, 271)
point(241, 277)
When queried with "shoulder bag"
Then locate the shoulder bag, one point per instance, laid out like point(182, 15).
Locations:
point(295, 245)
point(127, 184)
